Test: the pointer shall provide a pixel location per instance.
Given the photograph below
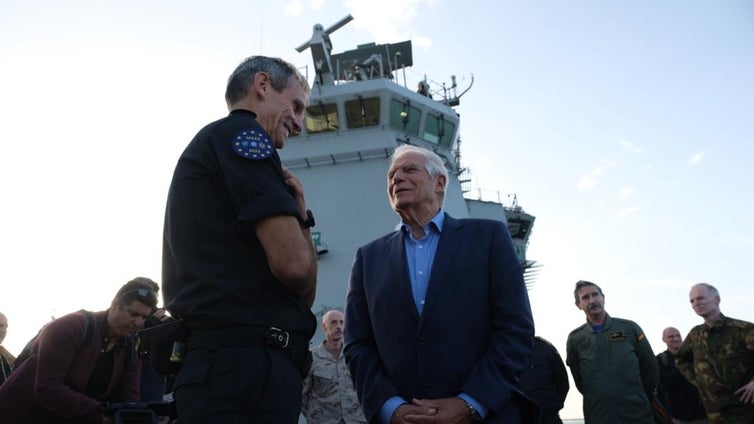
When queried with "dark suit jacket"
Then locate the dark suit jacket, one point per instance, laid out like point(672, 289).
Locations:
point(475, 333)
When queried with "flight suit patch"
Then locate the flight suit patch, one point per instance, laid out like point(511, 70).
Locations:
point(618, 336)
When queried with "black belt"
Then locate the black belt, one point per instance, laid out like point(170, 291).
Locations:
point(245, 336)
point(295, 346)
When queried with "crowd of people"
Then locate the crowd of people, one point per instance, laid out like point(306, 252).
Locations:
point(437, 326)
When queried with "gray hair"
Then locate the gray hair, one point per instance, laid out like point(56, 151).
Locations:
point(242, 79)
point(709, 287)
point(324, 316)
point(433, 162)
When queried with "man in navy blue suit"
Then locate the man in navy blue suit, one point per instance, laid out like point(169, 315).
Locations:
point(438, 321)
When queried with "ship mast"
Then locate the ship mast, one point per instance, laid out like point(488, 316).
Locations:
point(321, 46)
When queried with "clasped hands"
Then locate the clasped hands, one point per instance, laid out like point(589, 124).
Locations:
point(452, 410)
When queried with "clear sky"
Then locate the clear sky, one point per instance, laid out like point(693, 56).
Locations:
point(627, 128)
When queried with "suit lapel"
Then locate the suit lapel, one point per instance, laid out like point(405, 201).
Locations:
point(446, 248)
point(399, 271)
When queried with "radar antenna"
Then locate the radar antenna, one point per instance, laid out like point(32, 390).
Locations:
point(450, 95)
point(321, 47)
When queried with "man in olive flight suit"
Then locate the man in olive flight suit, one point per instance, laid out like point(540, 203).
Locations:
point(612, 363)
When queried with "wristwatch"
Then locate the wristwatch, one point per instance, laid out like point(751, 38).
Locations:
point(475, 416)
point(309, 221)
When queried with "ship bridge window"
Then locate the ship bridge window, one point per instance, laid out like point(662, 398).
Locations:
point(518, 228)
point(321, 117)
point(363, 112)
point(439, 130)
point(405, 117)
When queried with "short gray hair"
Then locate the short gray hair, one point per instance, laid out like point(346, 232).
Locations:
point(433, 162)
point(709, 287)
point(280, 72)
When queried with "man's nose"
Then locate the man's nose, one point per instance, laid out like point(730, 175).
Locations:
point(298, 124)
point(397, 176)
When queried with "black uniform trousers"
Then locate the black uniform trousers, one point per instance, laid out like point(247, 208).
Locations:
point(229, 385)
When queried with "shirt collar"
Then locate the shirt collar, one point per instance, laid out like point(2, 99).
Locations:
point(437, 221)
point(243, 112)
point(720, 322)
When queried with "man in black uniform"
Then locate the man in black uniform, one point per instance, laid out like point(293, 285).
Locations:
point(239, 267)
point(680, 397)
point(545, 380)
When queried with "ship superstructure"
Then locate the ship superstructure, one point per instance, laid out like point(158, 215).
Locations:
point(358, 113)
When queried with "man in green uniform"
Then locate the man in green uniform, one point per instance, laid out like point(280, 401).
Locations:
point(612, 363)
point(718, 357)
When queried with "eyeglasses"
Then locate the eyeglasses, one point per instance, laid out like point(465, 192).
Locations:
point(141, 294)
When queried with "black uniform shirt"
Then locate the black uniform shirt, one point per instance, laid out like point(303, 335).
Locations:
point(214, 268)
point(545, 380)
point(680, 397)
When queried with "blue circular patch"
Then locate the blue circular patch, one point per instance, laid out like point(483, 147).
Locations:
point(253, 143)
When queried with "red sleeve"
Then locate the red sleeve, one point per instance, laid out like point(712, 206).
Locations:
point(57, 349)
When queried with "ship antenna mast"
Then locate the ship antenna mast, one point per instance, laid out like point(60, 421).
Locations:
point(321, 47)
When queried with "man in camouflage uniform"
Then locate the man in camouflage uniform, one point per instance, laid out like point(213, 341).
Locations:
point(718, 357)
point(328, 396)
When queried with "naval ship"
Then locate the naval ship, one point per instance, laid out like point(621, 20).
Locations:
point(361, 108)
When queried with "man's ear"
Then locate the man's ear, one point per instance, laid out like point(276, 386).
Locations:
point(261, 84)
point(441, 182)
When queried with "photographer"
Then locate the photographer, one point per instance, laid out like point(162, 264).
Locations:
point(80, 361)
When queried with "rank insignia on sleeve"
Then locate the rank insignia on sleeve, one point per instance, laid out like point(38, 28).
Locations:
point(253, 143)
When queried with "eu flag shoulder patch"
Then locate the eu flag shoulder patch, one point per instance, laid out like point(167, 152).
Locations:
point(253, 143)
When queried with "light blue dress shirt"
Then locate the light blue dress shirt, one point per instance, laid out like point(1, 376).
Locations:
point(421, 255)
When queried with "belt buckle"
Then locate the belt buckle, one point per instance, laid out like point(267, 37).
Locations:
point(278, 337)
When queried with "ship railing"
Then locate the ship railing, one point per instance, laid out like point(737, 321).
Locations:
point(508, 200)
point(442, 92)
